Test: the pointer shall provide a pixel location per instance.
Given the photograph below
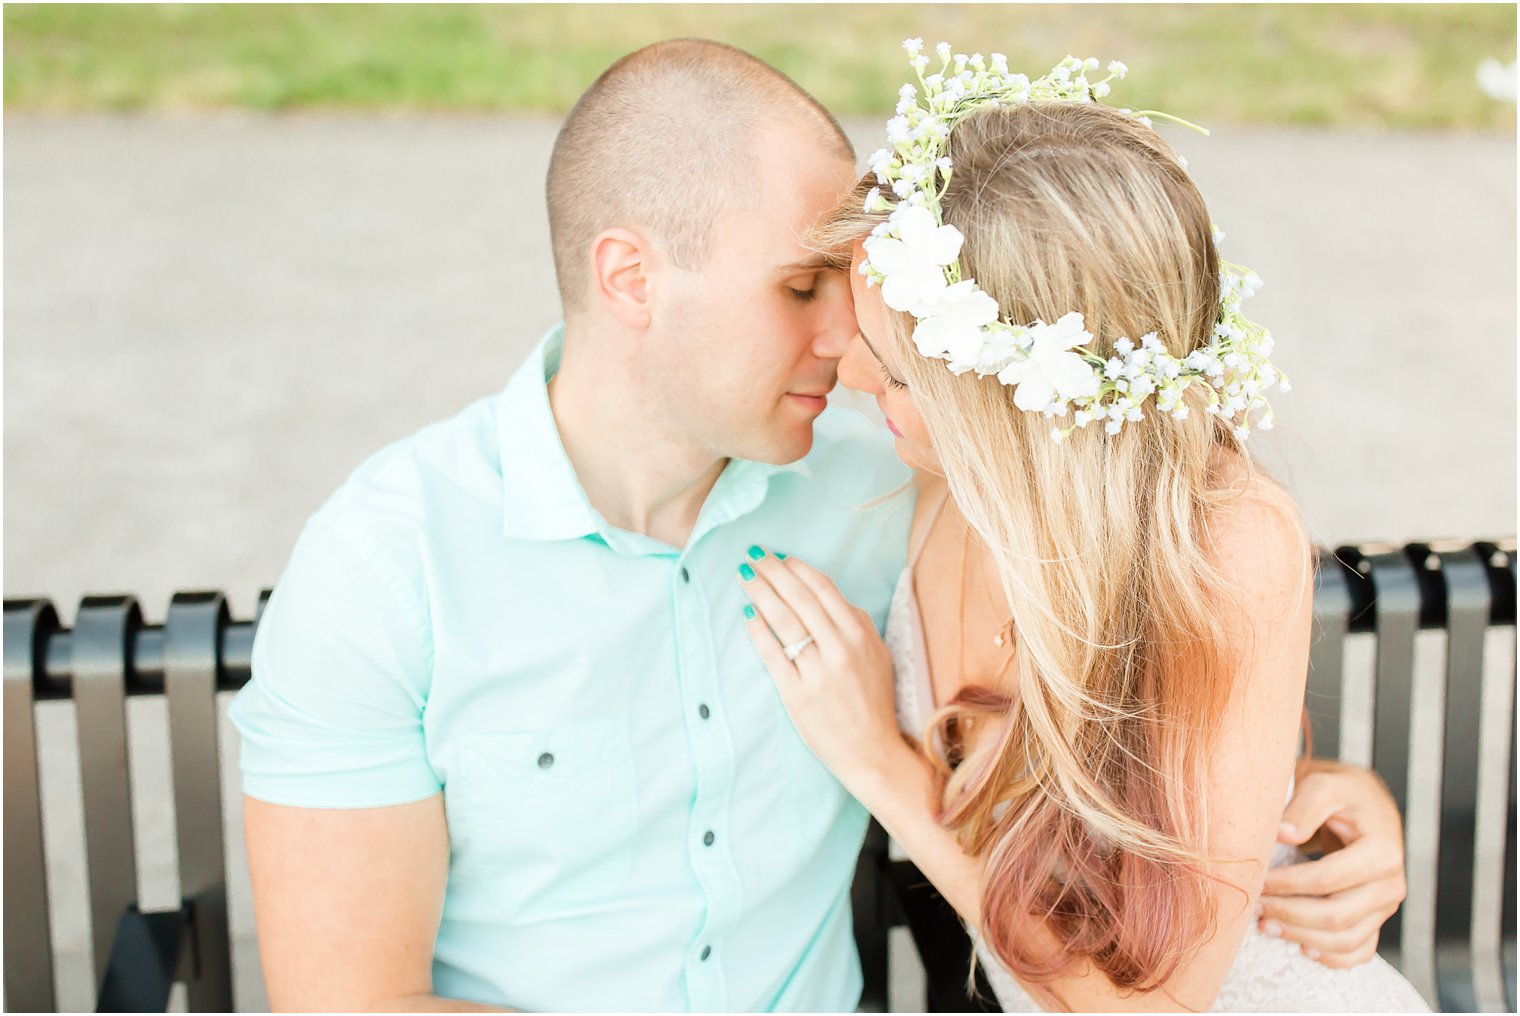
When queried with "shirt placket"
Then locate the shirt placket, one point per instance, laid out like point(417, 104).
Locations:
point(708, 826)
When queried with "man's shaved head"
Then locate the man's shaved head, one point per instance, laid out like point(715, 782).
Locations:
point(662, 141)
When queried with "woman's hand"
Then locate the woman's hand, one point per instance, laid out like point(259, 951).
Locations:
point(838, 690)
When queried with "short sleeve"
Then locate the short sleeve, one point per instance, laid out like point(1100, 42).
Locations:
point(341, 668)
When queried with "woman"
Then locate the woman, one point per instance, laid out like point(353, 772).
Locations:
point(1101, 641)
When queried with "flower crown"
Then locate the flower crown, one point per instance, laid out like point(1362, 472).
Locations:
point(914, 256)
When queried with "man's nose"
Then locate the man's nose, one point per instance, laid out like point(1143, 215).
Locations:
point(836, 326)
point(855, 368)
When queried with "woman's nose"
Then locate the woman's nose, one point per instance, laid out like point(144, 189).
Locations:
point(855, 368)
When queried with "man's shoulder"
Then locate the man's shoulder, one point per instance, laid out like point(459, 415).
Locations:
point(451, 466)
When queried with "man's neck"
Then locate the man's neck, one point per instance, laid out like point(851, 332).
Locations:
point(640, 477)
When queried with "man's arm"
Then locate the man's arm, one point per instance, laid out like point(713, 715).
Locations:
point(347, 903)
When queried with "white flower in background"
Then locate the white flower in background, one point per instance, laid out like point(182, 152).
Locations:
point(1497, 79)
point(1051, 371)
point(952, 325)
point(914, 260)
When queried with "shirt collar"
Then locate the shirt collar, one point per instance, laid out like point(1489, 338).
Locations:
point(542, 499)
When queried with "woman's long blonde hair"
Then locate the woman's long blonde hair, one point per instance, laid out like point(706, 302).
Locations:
point(1088, 805)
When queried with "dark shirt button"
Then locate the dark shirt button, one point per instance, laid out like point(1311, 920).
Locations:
point(685, 575)
point(545, 760)
point(703, 711)
point(706, 952)
point(707, 838)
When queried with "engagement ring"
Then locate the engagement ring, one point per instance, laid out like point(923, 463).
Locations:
point(795, 649)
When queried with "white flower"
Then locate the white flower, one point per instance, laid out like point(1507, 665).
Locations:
point(943, 49)
point(1056, 435)
point(913, 46)
point(1117, 68)
point(1497, 80)
point(907, 92)
point(1052, 371)
point(953, 323)
point(1000, 347)
point(875, 202)
point(897, 129)
point(914, 260)
point(1243, 432)
point(1113, 426)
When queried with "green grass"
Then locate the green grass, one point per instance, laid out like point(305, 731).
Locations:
point(1373, 66)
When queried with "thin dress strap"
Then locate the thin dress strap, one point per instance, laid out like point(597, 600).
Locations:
point(923, 537)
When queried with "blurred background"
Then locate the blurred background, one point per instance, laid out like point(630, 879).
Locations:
point(248, 245)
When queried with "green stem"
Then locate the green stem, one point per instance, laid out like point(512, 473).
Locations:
point(1174, 119)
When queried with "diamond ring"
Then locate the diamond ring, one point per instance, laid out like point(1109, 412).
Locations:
point(794, 650)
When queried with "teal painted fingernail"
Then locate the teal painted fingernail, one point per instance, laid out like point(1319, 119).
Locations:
point(749, 612)
point(780, 556)
point(746, 572)
point(755, 553)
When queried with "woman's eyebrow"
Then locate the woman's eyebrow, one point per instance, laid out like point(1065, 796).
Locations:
point(811, 263)
point(870, 346)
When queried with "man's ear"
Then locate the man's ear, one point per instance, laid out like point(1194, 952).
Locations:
point(621, 266)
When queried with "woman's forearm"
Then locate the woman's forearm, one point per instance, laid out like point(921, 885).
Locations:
point(902, 791)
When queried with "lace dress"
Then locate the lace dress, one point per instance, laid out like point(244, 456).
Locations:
point(1269, 974)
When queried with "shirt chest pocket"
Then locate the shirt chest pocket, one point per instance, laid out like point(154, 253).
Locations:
point(545, 819)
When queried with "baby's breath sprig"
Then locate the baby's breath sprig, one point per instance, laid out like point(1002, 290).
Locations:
point(915, 257)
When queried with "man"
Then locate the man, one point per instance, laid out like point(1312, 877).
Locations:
point(507, 741)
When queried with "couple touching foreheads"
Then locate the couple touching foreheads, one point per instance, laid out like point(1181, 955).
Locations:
point(582, 698)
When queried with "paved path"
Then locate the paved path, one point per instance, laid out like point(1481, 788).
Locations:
point(210, 322)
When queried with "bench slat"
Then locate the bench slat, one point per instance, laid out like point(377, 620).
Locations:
point(191, 658)
point(102, 640)
point(1398, 616)
point(1467, 610)
point(28, 938)
point(1332, 610)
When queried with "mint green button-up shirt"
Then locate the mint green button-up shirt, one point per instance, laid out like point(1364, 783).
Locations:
point(634, 822)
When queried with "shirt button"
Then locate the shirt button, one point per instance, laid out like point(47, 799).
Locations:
point(545, 760)
point(685, 575)
point(706, 952)
point(703, 711)
point(707, 838)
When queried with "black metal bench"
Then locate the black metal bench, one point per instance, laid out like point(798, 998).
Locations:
point(200, 651)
